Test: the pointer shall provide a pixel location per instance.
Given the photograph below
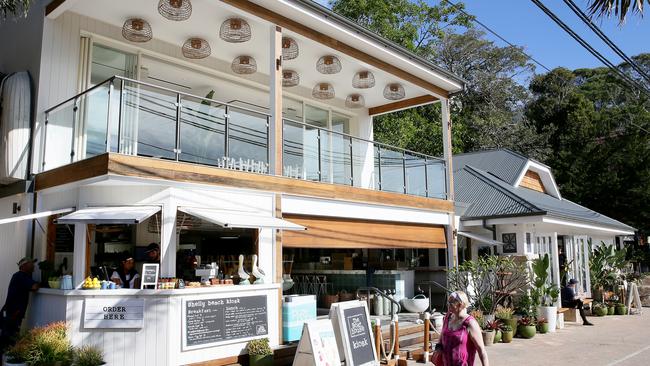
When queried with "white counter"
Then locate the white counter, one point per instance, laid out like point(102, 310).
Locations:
point(161, 339)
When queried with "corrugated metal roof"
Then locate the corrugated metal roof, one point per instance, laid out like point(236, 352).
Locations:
point(504, 164)
point(490, 194)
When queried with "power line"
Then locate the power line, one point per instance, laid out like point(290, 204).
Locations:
point(589, 48)
point(456, 5)
point(606, 39)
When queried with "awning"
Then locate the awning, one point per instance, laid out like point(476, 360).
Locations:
point(35, 215)
point(338, 232)
point(230, 219)
point(109, 215)
point(480, 238)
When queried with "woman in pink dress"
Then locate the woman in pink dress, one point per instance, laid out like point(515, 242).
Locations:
point(461, 336)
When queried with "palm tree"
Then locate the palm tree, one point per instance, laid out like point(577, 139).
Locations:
point(620, 8)
point(14, 8)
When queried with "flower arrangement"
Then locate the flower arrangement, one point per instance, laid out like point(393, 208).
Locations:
point(541, 321)
point(527, 321)
point(88, 356)
point(259, 347)
point(504, 313)
point(493, 325)
point(480, 319)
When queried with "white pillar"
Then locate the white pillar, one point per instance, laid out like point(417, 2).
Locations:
point(79, 256)
point(452, 245)
point(168, 242)
point(275, 93)
point(555, 262)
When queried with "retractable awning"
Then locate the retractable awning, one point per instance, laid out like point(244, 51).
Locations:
point(110, 215)
point(480, 238)
point(229, 219)
point(35, 215)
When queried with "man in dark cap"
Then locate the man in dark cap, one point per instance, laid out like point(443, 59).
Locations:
point(153, 253)
point(570, 299)
point(15, 307)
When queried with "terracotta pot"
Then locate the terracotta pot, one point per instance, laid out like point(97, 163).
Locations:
point(507, 336)
point(527, 331)
point(488, 337)
point(260, 360)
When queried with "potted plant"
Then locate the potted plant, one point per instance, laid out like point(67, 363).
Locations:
point(600, 309)
point(259, 352)
point(620, 309)
point(506, 316)
point(526, 328)
point(17, 354)
point(611, 309)
point(49, 346)
point(88, 356)
point(542, 325)
point(544, 294)
point(508, 333)
point(495, 326)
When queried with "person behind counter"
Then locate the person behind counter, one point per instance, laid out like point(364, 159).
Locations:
point(126, 276)
point(153, 253)
point(13, 311)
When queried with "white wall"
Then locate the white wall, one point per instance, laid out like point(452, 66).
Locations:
point(14, 239)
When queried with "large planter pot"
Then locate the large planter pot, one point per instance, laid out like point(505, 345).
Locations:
point(497, 336)
point(600, 311)
point(7, 363)
point(512, 322)
point(259, 360)
point(488, 337)
point(543, 328)
point(550, 314)
point(527, 331)
point(621, 310)
point(611, 310)
point(507, 336)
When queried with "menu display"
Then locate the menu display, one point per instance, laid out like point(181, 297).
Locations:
point(209, 321)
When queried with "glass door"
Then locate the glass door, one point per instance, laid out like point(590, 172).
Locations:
point(577, 258)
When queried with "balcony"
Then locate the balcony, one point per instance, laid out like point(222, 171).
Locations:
point(130, 117)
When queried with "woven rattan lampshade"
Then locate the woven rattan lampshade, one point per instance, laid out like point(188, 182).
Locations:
point(394, 91)
point(244, 65)
point(290, 48)
point(355, 101)
point(196, 48)
point(328, 65)
point(235, 30)
point(363, 80)
point(323, 91)
point(290, 78)
point(137, 30)
point(175, 9)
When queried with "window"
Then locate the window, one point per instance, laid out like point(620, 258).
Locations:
point(529, 243)
point(509, 243)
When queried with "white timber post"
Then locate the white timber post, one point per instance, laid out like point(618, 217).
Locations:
point(275, 88)
point(452, 244)
point(168, 237)
point(555, 263)
point(79, 257)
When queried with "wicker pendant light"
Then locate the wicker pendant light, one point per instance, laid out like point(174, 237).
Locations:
point(355, 101)
point(244, 65)
point(175, 9)
point(328, 65)
point(290, 78)
point(394, 91)
point(363, 80)
point(323, 91)
point(290, 48)
point(235, 30)
point(196, 48)
point(137, 30)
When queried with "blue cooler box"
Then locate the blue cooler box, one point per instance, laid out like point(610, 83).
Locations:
point(296, 310)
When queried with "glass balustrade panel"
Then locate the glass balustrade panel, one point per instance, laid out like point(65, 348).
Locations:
point(59, 137)
point(248, 140)
point(362, 164)
point(336, 160)
point(203, 132)
point(300, 151)
point(392, 170)
point(415, 175)
point(93, 117)
point(436, 178)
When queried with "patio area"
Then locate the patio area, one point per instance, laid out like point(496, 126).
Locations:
point(613, 340)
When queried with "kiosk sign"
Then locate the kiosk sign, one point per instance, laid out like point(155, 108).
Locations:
point(113, 313)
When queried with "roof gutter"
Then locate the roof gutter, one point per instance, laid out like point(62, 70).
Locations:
point(341, 20)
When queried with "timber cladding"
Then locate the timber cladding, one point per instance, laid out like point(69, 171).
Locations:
point(152, 168)
point(336, 232)
point(532, 180)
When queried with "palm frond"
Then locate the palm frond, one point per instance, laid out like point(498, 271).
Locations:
point(619, 8)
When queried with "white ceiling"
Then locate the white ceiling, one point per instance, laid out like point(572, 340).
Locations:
point(207, 16)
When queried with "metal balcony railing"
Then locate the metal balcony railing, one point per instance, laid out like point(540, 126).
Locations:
point(131, 117)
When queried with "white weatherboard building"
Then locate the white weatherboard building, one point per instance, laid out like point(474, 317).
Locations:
point(263, 146)
point(512, 206)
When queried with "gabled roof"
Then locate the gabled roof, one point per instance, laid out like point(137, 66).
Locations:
point(492, 194)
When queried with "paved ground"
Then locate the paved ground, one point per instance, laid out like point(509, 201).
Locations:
point(614, 340)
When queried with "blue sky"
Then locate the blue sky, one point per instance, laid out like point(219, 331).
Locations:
point(523, 24)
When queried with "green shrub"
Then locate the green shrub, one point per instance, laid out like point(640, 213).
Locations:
point(49, 345)
point(88, 356)
point(259, 347)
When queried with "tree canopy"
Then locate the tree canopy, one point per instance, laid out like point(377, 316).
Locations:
point(11, 8)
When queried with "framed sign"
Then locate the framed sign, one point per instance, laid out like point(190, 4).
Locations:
point(150, 275)
point(111, 313)
point(351, 322)
point(317, 345)
point(509, 242)
point(210, 321)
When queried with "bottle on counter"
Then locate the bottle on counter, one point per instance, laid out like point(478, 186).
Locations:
point(378, 305)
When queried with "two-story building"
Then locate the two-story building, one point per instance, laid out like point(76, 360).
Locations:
point(218, 130)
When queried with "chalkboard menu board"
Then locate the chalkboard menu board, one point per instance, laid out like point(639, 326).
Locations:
point(64, 239)
point(359, 335)
point(150, 275)
point(210, 321)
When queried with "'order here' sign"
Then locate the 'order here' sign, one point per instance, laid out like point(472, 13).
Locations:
point(114, 313)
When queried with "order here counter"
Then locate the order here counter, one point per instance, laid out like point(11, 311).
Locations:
point(163, 327)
